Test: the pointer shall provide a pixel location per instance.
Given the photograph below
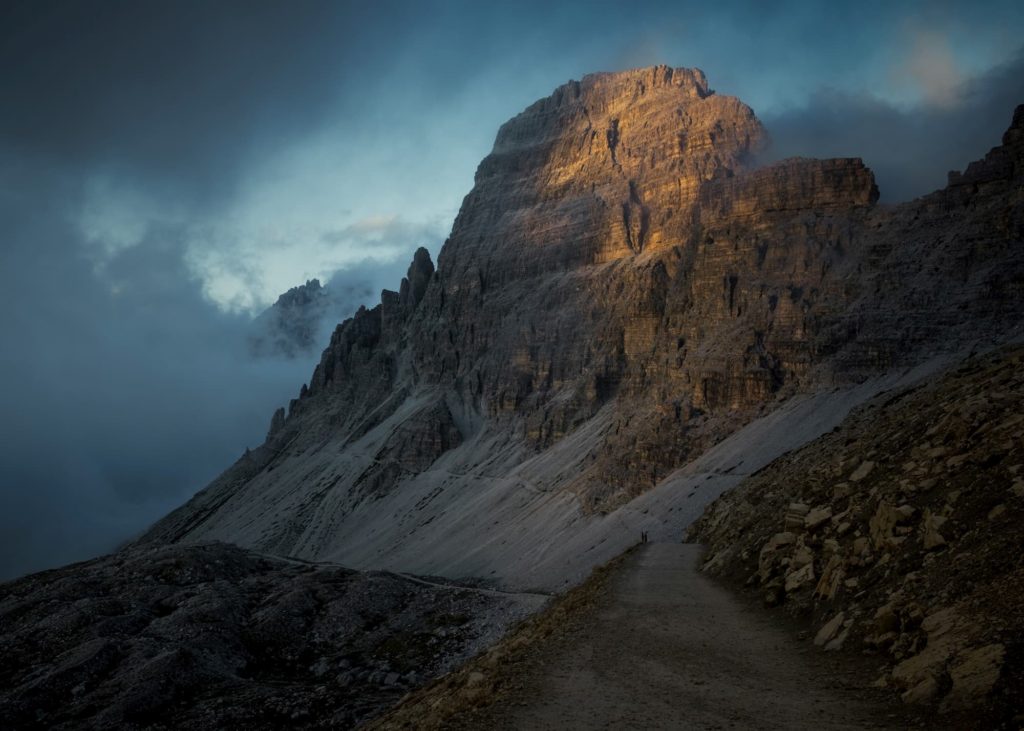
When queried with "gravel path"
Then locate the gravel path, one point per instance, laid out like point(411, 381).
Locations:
point(668, 649)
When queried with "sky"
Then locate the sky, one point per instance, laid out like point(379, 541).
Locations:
point(167, 169)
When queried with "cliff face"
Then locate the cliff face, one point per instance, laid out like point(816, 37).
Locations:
point(620, 291)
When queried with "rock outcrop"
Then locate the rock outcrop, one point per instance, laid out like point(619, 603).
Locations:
point(919, 558)
point(620, 291)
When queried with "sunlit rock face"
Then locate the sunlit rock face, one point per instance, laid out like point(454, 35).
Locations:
point(621, 289)
point(604, 168)
point(616, 244)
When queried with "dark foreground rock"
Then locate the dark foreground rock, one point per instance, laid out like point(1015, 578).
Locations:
point(212, 636)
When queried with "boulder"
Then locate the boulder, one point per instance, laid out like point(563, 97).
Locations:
point(886, 619)
point(923, 692)
point(931, 538)
point(831, 578)
point(906, 512)
point(794, 518)
point(817, 517)
point(771, 551)
point(829, 630)
point(881, 525)
point(798, 578)
point(946, 634)
point(837, 642)
point(801, 557)
point(974, 673)
point(862, 471)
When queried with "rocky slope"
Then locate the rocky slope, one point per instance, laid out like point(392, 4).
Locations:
point(621, 290)
point(212, 636)
point(900, 534)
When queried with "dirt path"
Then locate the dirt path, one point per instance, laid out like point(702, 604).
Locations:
point(668, 649)
point(528, 597)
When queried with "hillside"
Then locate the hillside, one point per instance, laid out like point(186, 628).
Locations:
point(899, 534)
point(212, 636)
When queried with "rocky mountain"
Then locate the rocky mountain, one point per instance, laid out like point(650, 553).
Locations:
point(899, 535)
point(290, 326)
point(628, 318)
point(294, 325)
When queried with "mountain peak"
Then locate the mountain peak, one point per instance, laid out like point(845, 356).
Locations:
point(633, 122)
point(692, 81)
point(621, 289)
point(301, 294)
point(414, 286)
point(612, 167)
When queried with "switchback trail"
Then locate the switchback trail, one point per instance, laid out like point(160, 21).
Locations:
point(666, 648)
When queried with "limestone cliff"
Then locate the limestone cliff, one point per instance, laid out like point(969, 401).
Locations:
point(621, 290)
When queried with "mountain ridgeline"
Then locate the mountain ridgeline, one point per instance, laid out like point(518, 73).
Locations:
point(296, 325)
point(629, 316)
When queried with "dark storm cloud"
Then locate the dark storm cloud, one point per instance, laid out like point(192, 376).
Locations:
point(124, 388)
point(910, 150)
point(190, 90)
point(183, 90)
